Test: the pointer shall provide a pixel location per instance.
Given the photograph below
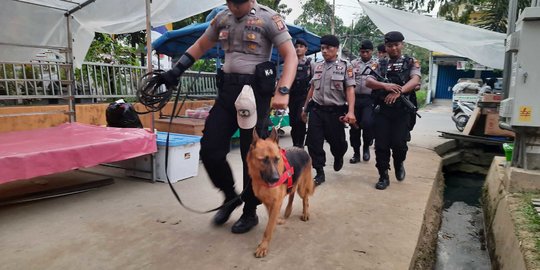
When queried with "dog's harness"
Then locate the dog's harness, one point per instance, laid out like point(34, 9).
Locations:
point(287, 174)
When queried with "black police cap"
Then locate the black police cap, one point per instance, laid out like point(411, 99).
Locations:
point(366, 45)
point(237, 1)
point(330, 40)
point(300, 41)
point(393, 36)
point(381, 48)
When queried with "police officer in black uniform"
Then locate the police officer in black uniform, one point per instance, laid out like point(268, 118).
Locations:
point(392, 117)
point(332, 105)
point(247, 31)
point(363, 104)
point(299, 92)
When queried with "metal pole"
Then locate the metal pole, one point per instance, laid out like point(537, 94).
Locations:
point(512, 14)
point(333, 17)
point(71, 88)
point(149, 69)
point(148, 38)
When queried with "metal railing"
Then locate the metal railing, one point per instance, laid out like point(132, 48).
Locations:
point(96, 81)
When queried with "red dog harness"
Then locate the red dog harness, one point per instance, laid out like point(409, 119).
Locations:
point(287, 174)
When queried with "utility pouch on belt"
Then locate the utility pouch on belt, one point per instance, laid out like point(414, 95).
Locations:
point(265, 78)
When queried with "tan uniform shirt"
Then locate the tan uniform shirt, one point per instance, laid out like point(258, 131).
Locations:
point(359, 66)
point(330, 80)
point(247, 41)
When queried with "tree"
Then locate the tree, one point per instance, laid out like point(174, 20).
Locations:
point(317, 18)
point(276, 5)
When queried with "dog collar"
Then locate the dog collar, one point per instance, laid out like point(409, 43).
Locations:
point(287, 174)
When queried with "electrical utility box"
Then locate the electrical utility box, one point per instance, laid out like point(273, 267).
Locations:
point(522, 107)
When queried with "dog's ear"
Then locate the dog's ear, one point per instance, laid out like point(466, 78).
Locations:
point(274, 135)
point(255, 137)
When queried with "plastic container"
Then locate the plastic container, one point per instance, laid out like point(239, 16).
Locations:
point(508, 151)
point(183, 156)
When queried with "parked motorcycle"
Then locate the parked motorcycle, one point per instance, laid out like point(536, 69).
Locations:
point(462, 112)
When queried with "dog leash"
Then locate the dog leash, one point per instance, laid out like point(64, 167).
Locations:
point(154, 99)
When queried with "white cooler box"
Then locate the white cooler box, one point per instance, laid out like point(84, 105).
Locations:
point(183, 156)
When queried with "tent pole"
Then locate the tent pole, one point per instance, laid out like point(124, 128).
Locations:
point(71, 73)
point(148, 38)
point(149, 69)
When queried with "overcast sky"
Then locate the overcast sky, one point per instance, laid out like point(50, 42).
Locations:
point(347, 10)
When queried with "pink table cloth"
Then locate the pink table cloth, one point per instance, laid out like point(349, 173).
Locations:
point(27, 154)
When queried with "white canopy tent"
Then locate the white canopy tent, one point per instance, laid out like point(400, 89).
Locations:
point(28, 26)
point(482, 46)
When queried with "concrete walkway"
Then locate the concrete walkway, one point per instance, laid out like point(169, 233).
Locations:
point(139, 225)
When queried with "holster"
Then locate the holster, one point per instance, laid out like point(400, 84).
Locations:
point(265, 78)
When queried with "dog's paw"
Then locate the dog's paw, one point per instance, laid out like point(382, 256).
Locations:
point(280, 221)
point(262, 250)
point(304, 217)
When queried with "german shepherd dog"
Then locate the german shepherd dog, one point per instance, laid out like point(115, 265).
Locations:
point(266, 166)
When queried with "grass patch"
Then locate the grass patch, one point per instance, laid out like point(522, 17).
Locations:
point(528, 225)
point(421, 97)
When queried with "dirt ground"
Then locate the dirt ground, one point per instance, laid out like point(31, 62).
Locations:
point(139, 225)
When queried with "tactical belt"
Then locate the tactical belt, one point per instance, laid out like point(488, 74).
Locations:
point(329, 108)
point(240, 79)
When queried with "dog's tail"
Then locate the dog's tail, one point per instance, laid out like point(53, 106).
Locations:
point(306, 186)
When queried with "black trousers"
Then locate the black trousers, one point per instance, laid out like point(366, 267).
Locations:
point(220, 125)
point(325, 125)
point(391, 129)
point(363, 111)
point(298, 127)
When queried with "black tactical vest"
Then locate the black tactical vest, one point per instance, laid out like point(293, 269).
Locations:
point(300, 85)
point(399, 72)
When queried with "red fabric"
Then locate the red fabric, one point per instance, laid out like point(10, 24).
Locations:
point(27, 154)
point(287, 174)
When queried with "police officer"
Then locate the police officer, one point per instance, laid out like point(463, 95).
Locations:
point(363, 104)
point(392, 117)
point(299, 92)
point(382, 58)
point(246, 31)
point(332, 105)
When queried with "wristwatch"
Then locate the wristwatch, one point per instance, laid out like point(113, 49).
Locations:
point(284, 90)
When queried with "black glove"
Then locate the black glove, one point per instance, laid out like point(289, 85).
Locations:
point(171, 77)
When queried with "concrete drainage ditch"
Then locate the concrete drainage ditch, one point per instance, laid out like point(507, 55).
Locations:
point(461, 238)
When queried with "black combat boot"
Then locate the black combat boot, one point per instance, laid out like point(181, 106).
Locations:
point(247, 221)
point(384, 180)
point(400, 171)
point(338, 163)
point(224, 213)
point(356, 157)
point(319, 178)
point(366, 155)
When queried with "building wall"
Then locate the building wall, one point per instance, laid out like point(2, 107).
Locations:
point(448, 76)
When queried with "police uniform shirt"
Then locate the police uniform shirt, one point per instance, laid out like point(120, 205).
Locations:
point(247, 41)
point(359, 66)
point(330, 80)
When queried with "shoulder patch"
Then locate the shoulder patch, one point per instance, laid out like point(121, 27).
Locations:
point(350, 72)
point(279, 22)
point(416, 63)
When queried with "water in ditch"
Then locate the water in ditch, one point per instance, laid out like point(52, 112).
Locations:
point(461, 239)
